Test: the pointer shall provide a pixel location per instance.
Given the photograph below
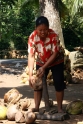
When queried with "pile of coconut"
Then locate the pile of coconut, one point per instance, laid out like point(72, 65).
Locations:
point(14, 108)
point(67, 70)
point(25, 76)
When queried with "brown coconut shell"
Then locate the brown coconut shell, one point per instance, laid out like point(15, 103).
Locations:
point(24, 103)
point(12, 96)
point(37, 83)
point(19, 117)
point(30, 117)
point(11, 111)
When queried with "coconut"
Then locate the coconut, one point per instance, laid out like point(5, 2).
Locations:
point(75, 107)
point(12, 110)
point(24, 103)
point(19, 117)
point(3, 112)
point(12, 96)
point(37, 83)
point(30, 117)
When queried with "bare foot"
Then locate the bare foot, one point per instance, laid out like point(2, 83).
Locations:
point(35, 110)
point(60, 111)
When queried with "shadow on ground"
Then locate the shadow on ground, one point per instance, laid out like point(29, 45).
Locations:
point(73, 92)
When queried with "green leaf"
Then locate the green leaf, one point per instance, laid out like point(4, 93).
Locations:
point(62, 9)
point(30, 2)
point(77, 6)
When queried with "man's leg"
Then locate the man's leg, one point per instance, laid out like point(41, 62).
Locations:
point(58, 77)
point(59, 98)
point(37, 100)
point(38, 94)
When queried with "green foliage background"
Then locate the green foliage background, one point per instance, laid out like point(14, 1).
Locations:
point(16, 24)
point(72, 24)
point(17, 21)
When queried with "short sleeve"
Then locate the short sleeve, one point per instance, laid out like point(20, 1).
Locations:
point(55, 43)
point(31, 44)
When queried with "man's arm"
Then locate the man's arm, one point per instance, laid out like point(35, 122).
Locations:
point(50, 60)
point(31, 59)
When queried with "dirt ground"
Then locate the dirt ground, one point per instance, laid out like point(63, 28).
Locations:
point(10, 77)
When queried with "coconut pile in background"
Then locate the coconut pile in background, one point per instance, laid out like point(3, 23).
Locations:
point(25, 76)
point(67, 68)
point(73, 68)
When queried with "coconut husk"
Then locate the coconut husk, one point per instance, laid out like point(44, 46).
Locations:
point(24, 75)
point(75, 107)
point(79, 49)
point(12, 96)
point(11, 111)
point(24, 103)
point(19, 117)
point(49, 76)
point(25, 79)
point(80, 122)
point(37, 83)
point(30, 117)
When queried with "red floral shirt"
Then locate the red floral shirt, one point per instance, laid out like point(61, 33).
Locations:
point(44, 49)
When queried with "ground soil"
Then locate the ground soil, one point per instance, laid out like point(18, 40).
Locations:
point(10, 77)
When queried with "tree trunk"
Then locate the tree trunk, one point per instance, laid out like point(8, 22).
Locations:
point(49, 9)
point(45, 94)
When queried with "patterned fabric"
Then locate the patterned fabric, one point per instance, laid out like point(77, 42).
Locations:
point(45, 49)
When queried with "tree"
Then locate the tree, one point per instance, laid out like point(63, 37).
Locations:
point(49, 8)
point(25, 25)
point(16, 24)
point(73, 9)
point(73, 24)
point(6, 28)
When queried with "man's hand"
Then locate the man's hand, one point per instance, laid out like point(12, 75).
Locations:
point(31, 81)
point(40, 72)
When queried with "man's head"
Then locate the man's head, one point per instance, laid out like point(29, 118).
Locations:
point(42, 26)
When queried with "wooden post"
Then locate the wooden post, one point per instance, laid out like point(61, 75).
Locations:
point(54, 117)
point(45, 94)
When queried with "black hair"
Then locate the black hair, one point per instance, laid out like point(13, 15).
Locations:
point(42, 20)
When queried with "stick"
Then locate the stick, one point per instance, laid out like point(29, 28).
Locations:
point(45, 94)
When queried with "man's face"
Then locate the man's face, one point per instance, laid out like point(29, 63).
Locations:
point(42, 30)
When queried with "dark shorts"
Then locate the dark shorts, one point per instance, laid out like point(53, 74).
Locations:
point(58, 76)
